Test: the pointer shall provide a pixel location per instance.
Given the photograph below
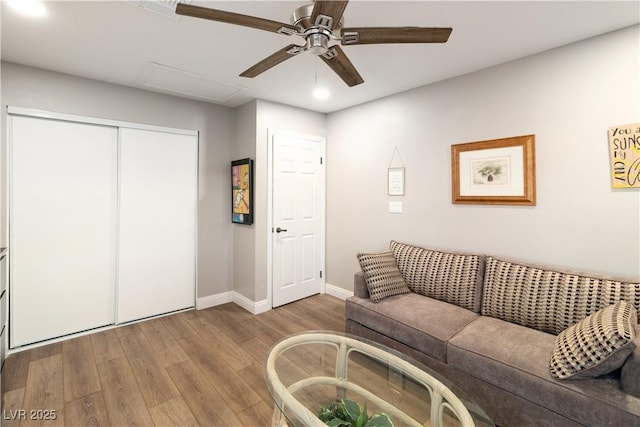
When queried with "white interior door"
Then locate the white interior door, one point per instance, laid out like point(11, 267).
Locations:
point(158, 202)
point(63, 195)
point(298, 217)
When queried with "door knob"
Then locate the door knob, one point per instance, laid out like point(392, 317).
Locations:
point(280, 230)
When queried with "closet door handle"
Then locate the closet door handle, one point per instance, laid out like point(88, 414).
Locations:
point(280, 230)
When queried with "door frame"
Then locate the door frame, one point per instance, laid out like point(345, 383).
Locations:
point(271, 133)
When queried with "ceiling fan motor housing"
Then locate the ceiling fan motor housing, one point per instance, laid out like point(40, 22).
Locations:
point(301, 18)
point(317, 34)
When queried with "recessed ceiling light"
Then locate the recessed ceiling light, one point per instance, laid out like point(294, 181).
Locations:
point(320, 93)
point(33, 8)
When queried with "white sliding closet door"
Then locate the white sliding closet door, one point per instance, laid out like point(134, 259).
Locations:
point(157, 242)
point(62, 227)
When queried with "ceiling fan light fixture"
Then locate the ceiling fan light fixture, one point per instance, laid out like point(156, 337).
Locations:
point(318, 43)
point(321, 93)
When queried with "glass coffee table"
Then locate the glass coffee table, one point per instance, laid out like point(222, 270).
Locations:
point(329, 375)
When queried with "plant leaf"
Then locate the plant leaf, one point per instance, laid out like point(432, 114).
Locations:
point(337, 422)
point(379, 420)
point(351, 408)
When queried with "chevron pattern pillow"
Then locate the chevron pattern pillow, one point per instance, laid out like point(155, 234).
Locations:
point(546, 299)
point(382, 276)
point(596, 345)
point(455, 278)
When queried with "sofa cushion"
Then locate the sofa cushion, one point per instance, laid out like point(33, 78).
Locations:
point(546, 299)
point(516, 359)
point(381, 275)
point(596, 345)
point(425, 324)
point(455, 278)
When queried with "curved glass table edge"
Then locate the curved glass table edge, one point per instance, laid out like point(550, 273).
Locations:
point(285, 402)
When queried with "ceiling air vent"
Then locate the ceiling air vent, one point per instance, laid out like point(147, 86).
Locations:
point(162, 7)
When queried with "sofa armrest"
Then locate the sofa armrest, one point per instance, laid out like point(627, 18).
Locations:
point(630, 374)
point(360, 286)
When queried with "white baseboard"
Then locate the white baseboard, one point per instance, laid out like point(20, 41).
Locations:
point(213, 300)
point(337, 292)
point(235, 297)
point(255, 307)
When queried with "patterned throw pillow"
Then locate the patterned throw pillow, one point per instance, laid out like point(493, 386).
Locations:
point(381, 275)
point(548, 299)
point(455, 278)
point(596, 345)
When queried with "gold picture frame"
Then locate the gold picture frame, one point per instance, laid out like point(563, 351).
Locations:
point(494, 172)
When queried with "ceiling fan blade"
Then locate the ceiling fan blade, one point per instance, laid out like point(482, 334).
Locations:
point(233, 18)
point(378, 35)
point(338, 62)
point(273, 60)
point(331, 8)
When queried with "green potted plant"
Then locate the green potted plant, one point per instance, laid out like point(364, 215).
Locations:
point(348, 413)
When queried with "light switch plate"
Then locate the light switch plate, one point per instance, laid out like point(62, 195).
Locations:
point(395, 207)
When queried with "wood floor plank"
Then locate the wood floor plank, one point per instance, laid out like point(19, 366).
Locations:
point(154, 382)
point(174, 412)
point(177, 324)
point(229, 322)
point(226, 349)
point(46, 351)
point(257, 348)
point(163, 343)
point(205, 402)
point(123, 400)
point(255, 375)
point(87, 411)
point(106, 346)
point(44, 392)
point(12, 404)
point(238, 394)
point(263, 330)
point(16, 369)
point(80, 373)
point(275, 320)
point(324, 312)
point(123, 331)
point(257, 415)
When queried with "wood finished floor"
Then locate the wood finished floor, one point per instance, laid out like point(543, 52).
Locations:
point(193, 368)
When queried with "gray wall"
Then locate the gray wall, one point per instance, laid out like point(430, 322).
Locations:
point(244, 236)
point(567, 97)
point(45, 90)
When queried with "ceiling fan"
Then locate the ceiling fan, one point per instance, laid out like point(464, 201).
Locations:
point(318, 24)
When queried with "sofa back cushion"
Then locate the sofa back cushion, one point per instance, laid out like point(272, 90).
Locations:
point(455, 278)
point(547, 299)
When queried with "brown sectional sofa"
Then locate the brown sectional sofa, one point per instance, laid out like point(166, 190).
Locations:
point(489, 325)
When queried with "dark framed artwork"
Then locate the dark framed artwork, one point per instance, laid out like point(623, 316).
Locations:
point(242, 191)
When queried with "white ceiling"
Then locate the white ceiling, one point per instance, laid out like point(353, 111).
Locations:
point(119, 42)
